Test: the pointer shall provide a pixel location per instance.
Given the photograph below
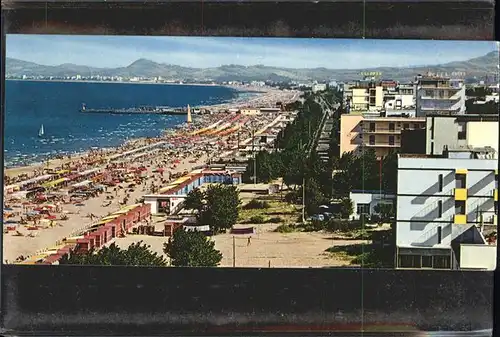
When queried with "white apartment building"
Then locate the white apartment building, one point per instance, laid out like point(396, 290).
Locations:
point(461, 131)
point(318, 87)
point(445, 206)
point(439, 95)
point(400, 98)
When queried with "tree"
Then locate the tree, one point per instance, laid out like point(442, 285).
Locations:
point(346, 208)
point(192, 249)
point(222, 207)
point(386, 211)
point(218, 206)
point(390, 172)
point(136, 254)
point(313, 196)
point(195, 200)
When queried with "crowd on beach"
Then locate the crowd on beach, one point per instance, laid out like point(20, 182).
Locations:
point(63, 197)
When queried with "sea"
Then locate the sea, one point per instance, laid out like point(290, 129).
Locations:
point(55, 105)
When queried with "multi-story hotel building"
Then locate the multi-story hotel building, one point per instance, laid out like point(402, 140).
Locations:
point(445, 206)
point(439, 95)
point(400, 97)
point(463, 131)
point(364, 96)
point(383, 134)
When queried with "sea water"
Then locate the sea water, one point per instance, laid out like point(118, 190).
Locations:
point(56, 105)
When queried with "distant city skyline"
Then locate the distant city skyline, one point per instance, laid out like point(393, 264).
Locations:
point(206, 52)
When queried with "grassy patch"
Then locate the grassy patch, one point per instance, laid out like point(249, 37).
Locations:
point(257, 219)
point(274, 211)
point(257, 204)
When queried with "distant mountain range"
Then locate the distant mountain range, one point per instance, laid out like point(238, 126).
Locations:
point(479, 67)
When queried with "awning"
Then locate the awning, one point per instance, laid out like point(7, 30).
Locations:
point(55, 182)
point(63, 171)
point(111, 217)
point(83, 183)
point(85, 173)
point(130, 207)
point(103, 222)
point(36, 179)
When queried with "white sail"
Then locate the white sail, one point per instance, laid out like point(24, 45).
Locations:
point(41, 132)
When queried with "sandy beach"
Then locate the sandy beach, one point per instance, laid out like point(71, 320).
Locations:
point(70, 217)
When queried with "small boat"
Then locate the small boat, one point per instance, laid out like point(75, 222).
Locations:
point(41, 132)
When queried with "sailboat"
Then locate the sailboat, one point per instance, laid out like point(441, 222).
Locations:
point(41, 131)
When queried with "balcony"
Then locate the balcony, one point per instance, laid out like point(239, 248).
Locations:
point(382, 130)
point(460, 194)
point(460, 219)
point(384, 144)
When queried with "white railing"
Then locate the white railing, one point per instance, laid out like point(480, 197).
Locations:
point(428, 234)
point(426, 210)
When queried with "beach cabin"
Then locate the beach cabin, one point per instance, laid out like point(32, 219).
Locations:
point(172, 225)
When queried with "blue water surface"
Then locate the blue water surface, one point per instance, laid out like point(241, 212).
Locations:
point(29, 104)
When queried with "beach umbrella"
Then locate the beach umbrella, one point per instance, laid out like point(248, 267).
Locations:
point(10, 222)
point(8, 209)
point(79, 204)
point(32, 213)
point(51, 217)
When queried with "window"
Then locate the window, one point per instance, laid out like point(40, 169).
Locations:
point(372, 140)
point(391, 140)
point(440, 209)
point(432, 148)
point(363, 209)
point(416, 126)
point(460, 181)
point(440, 181)
point(410, 261)
point(495, 206)
point(372, 127)
point(426, 261)
point(406, 126)
point(439, 233)
point(459, 206)
point(462, 131)
point(391, 126)
point(442, 262)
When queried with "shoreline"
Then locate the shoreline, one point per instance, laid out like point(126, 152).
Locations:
point(234, 103)
point(241, 88)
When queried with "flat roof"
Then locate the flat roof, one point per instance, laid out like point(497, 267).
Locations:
point(395, 118)
point(469, 117)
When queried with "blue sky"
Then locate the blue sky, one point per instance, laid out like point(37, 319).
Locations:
point(202, 52)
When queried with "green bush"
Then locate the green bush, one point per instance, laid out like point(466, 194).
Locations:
point(275, 220)
point(314, 226)
point(334, 225)
point(256, 204)
point(257, 219)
